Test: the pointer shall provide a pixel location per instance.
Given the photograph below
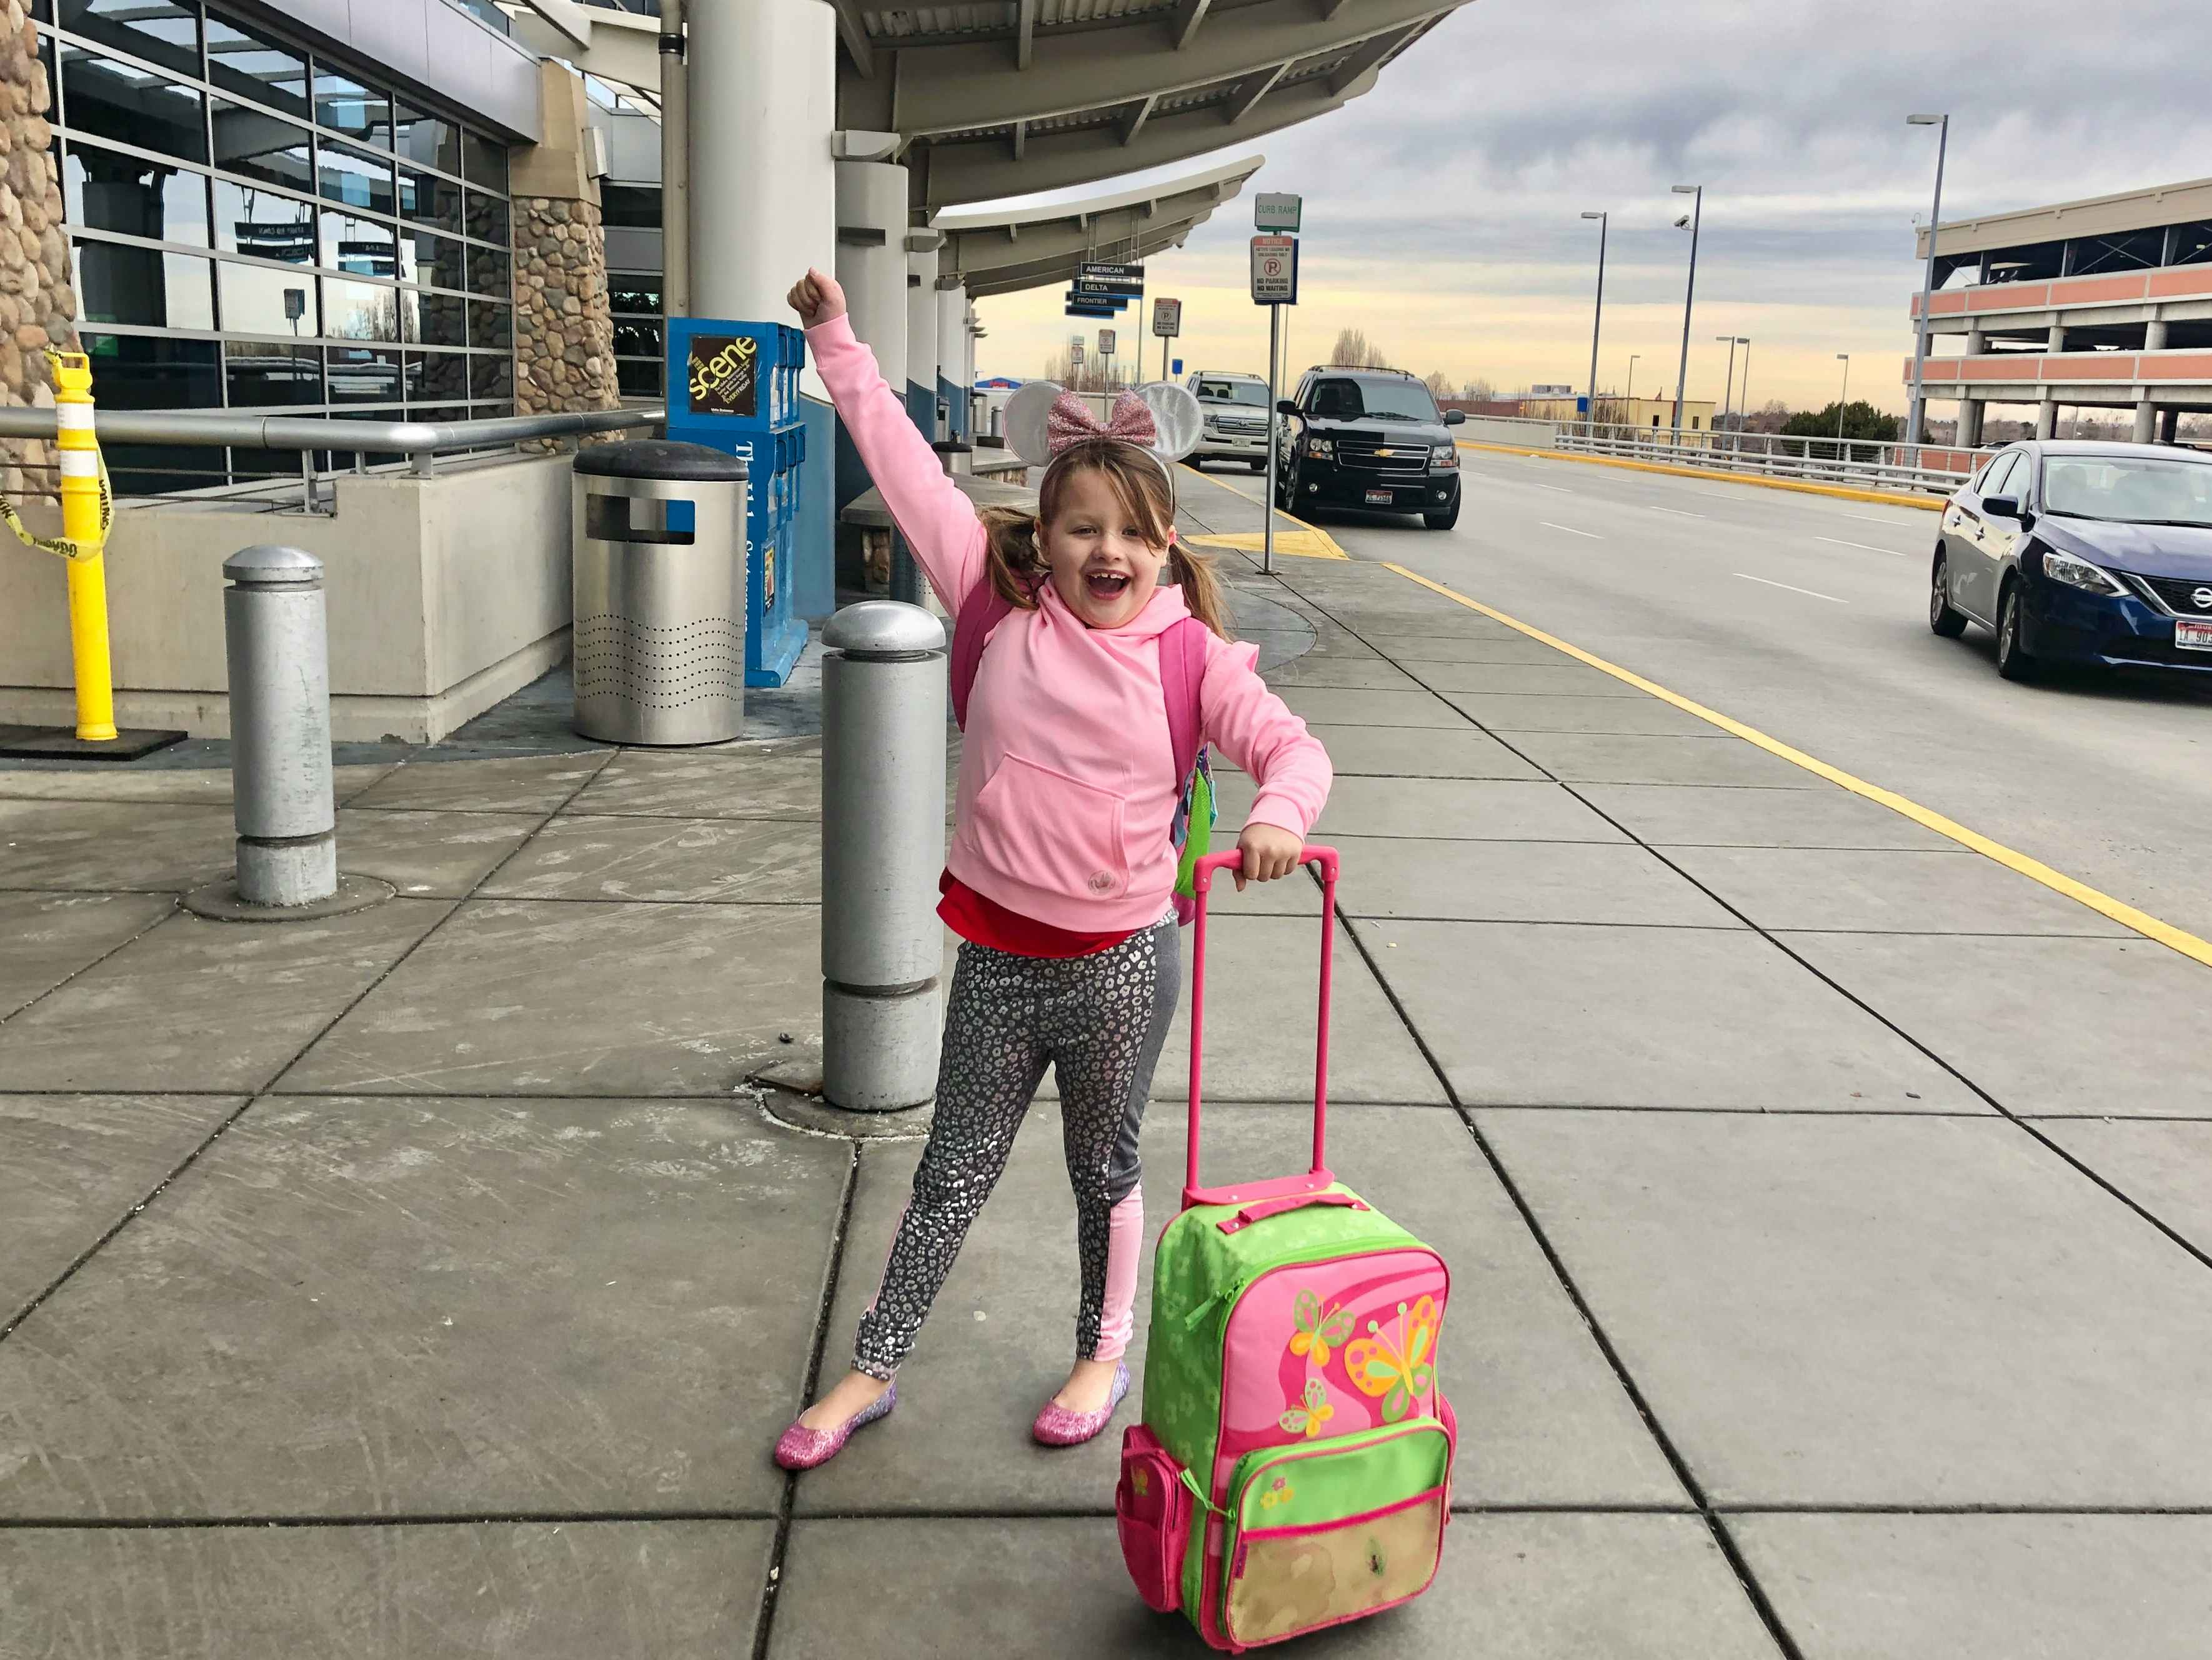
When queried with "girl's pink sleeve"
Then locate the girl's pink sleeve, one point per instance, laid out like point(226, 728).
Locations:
point(1254, 730)
point(938, 522)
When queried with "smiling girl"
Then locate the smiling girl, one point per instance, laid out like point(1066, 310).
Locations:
point(1063, 862)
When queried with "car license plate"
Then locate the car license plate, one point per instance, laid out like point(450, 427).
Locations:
point(2190, 635)
point(1381, 499)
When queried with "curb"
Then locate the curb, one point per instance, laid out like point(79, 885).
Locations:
point(1931, 504)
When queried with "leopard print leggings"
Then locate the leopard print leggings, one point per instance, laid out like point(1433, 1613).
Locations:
point(1099, 1021)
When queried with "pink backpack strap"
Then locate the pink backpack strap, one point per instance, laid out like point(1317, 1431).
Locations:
point(1182, 675)
point(983, 610)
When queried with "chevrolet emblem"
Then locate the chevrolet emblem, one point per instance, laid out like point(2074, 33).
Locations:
point(1386, 452)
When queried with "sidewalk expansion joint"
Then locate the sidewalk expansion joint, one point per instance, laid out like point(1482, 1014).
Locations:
point(175, 910)
point(369, 1519)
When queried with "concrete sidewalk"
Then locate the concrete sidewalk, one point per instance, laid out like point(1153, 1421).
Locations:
point(427, 1280)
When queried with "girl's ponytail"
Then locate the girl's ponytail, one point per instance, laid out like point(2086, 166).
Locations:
point(1202, 587)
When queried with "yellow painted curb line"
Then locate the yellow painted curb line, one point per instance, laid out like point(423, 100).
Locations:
point(1934, 505)
point(1307, 544)
point(1326, 540)
point(2103, 903)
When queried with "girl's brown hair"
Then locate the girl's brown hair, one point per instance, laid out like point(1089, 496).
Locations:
point(1016, 566)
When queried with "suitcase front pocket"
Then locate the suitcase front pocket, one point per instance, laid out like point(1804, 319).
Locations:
point(1152, 1511)
point(1330, 1531)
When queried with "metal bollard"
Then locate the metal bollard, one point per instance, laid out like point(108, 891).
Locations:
point(883, 844)
point(278, 647)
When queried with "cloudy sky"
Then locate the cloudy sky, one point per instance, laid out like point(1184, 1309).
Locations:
point(1441, 210)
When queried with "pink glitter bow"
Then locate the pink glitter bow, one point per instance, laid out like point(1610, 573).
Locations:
point(1070, 422)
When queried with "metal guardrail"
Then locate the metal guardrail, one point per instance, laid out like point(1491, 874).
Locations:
point(420, 441)
point(1852, 463)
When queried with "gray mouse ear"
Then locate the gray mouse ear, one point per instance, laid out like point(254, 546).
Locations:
point(1177, 418)
point(1024, 422)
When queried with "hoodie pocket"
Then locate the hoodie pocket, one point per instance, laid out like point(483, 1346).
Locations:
point(1052, 832)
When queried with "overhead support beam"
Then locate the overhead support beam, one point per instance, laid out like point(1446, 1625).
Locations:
point(853, 35)
point(1050, 273)
point(618, 46)
point(1189, 16)
point(1251, 90)
point(1021, 139)
point(1133, 122)
point(1025, 12)
point(1371, 54)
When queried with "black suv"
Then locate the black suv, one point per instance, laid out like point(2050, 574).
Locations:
point(1371, 439)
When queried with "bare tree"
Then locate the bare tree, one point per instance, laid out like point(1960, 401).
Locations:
point(1351, 350)
point(1479, 390)
point(1438, 383)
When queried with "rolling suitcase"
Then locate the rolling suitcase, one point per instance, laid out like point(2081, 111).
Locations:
point(1293, 1468)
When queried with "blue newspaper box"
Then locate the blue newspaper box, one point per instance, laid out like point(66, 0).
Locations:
point(734, 387)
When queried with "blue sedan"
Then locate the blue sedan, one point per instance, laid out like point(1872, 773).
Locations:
point(2081, 553)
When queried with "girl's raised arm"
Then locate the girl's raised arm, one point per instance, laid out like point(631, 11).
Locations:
point(938, 522)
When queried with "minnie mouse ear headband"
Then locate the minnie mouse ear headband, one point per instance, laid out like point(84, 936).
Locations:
point(1044, 418)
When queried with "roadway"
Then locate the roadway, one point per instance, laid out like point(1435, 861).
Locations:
point(1804, 616)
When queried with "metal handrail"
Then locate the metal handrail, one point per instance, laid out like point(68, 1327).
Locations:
point(1860, 461)
point(419, 439)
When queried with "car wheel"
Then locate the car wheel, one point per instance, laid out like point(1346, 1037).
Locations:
point(1943, 617)
point(1286, 489)
point(2013, 660)
point(1444, 521)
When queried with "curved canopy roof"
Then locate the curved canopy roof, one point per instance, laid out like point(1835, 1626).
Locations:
point(1002, 250)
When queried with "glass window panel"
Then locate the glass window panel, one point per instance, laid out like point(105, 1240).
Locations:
point(437, 319)
point(263, 300)
point(2192, 243)
point(107, 190)
point(428, 199)
point(638, 377)
point(152, 372)
point(428, 138)
point(366, 247)
point(488, 218)
point(636, 337)
point(364, 374)
point(360, 311)
point(118, 284)
point(260, 375)
point(490, 273)
point(262, 147)
point(439, 261)
point(356, 179)
point(437, 377)
point(491, 376)
point(438, 412)
point(490, 411)
point(110, 99)
point(636, 205)
point(249, 219)
point(345, 105)
point(158, 30)
point(485, 162)
point(254, 66)
point(491, 325)
point(634, 293)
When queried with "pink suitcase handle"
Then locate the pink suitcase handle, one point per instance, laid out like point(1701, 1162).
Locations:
point(1318, 1177)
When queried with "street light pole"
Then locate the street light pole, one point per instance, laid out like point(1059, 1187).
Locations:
point(1597, 316)
point(1727, 388)
point(1689, 296)
point(1943, 124)
point(1844, 358)
point(1743, 391)
point(1629, 395)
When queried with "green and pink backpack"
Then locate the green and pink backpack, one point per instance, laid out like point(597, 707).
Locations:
point(1294, 1468)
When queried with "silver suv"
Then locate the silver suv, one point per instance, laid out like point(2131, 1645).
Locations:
point(1236, 408)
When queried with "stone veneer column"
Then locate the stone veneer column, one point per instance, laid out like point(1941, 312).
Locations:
point(36, 305)
point(564, 336)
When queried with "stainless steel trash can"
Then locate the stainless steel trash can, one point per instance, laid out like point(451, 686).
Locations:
point(659, 586)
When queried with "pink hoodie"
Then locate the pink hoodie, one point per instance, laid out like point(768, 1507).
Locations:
point(1066, 796)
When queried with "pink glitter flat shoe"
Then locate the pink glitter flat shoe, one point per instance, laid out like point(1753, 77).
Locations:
point(802, 1449)
point(1058, 1427)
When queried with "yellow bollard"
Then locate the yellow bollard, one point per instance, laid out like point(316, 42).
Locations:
point(84, 522)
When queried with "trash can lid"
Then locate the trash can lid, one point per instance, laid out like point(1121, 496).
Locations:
point(660, 458)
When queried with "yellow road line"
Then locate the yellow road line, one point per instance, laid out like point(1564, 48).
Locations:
point(1933, 504)
point(1327, 541)
point(2034, 869)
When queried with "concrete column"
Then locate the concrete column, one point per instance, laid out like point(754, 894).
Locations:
point(872, 216)
point(762, 90)
point(2146, 421)
point(922, 329)
point(2155, 335)
point(952, 355)
point(1970, 423)
point(2169, 426)
point(2046, 417)
point(1975, 342)
point(564, 356)
point(2057, 338)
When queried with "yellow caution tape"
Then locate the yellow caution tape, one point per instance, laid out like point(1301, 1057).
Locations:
point(68, 420)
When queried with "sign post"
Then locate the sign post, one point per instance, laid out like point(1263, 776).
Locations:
point(1167, 323)
point(1106, 354)
point(1274, 285)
